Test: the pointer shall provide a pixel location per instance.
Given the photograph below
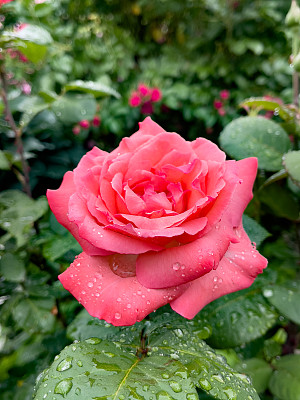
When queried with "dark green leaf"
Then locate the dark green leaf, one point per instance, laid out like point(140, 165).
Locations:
point(238, 318)
point(256, 232)
point(280, 201)
point(286, 298)
point(34, 314)
point(12, 267)
point(285, 381)
point(97, 89)
point(59, 245)
point(256, 137)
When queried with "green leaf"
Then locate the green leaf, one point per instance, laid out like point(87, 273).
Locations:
point(71, 109)
point(256, 232)
point(84, 326)
point(31, 33)
point(286, 298)
point(34, 314)
point(18, 212)
point(59, 245)
point(291, 162)
point(175, 361)
point(97, 89)
point(259, 103)
point(98, 370)
point(12, 267)
point(238, 318)
point(280, 201)
point(285, 381)
point(256, 137)
point(258, 370)
point(34, 52)
point(4, 163)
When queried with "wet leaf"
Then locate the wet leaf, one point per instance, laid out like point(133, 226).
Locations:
point(261, 103)
point(259, 371)
point(71, 109)
point(97, 89)
point(238, 318)
point(286, 298)
point(256, 137)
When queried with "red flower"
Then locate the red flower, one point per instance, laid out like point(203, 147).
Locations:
point(96, 121)
point(147, 108)
point(156, 95)
point(221, 112)
point(84, 124)
point(218, 104)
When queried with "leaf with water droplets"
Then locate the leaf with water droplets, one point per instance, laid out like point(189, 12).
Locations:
point(97, 89)
point(72, 108)
point(256, 232)
point(286, 298)
point(239, 317)
point(256, 137)
point(106, 370)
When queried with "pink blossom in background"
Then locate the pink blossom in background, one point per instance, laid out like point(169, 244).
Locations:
point(144, 90)
point(147, 108)
point(134, 100)
point(76, 129)
point(4, 2)
point(156, 95)
point(218, 104)
point(221, 112)
point(84, 124)
point(224, 94)
point(26, 88)
point(96, 121)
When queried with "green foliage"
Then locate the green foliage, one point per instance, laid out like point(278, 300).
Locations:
point(256, 137)
point(173, 364)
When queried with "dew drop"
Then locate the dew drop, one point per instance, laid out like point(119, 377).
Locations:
point(117, 315)
point(176, 266)
point(175, 386)
point(93, 341)
point(64, 364)
point(90, 284)
point(204, 383)
point(63, 387)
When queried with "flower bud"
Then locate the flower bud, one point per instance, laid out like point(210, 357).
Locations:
point(296, 63)
point(292, 18)
point(84, 123)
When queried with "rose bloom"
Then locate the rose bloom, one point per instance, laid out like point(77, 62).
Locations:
point(224, 94)
point(218, 104)
point(134, 100)
point(159, 220)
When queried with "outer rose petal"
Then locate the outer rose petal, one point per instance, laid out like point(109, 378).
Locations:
point(237, 270)
point(178, 265)
point(59, 204)
point(120, 301)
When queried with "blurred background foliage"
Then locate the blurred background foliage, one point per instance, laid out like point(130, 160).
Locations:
point(71, 68)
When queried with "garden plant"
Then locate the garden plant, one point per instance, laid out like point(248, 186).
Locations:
point(149, 205)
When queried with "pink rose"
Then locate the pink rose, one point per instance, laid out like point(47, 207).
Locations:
point(224, 94)
point(134, 100)
point(156, 95)
point(218, 104)
point(84, 123)
point(159, 220)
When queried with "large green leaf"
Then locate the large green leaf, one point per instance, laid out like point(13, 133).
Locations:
point(285, 381)
point(173, 364)
point(97, 89)
point(291, 162)
point(260, 103)
point(71, 109)
point(286, 298)
point(238, 318)
point(256, 137)
point(256, 232)
point(31, 33)
point(18, 212)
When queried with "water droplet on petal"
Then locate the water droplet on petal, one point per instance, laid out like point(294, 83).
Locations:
point(176, 266)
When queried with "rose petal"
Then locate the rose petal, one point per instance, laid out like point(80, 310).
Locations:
point(59, 204)
point(105, 295)
point(237, 270)
point(207, 150)
point(181, 264)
